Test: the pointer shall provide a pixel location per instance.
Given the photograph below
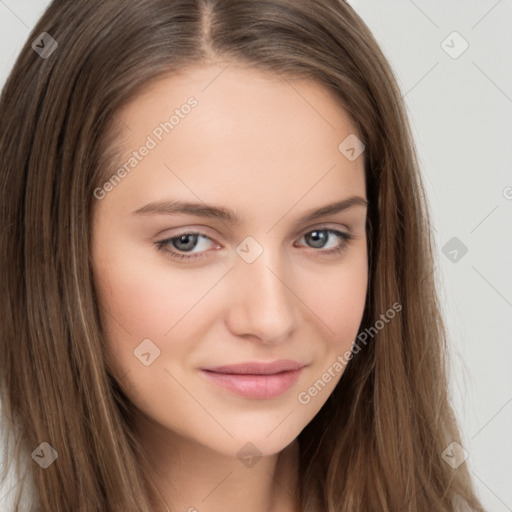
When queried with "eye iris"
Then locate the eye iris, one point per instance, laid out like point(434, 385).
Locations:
point(318, 238)
point(191, 239)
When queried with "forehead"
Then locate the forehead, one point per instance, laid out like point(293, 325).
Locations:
point(250, 137)
point(229, 94)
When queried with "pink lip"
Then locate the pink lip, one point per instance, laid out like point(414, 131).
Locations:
point(255, 379)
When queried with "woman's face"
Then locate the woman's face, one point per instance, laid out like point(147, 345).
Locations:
point(261, 287)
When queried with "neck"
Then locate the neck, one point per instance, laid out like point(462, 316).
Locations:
point(194, 478)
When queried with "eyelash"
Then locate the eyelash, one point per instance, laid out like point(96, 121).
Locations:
point(162, 244)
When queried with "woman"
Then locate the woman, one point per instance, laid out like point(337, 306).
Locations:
point(296, 360)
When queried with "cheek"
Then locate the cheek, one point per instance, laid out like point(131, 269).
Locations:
point(341, 301)
point(145, 297)
point(142, 293)
point(336, 296)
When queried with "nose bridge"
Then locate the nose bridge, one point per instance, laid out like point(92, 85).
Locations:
point(263, 303)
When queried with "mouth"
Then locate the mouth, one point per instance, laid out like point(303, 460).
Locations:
point(255, 379)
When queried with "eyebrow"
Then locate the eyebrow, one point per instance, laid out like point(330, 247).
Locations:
point(230, 217)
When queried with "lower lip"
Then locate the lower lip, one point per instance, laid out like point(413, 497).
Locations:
point(255, 386)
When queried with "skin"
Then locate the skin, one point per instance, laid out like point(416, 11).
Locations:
point(268, 149)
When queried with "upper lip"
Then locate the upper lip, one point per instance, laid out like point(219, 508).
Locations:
point(258, 368)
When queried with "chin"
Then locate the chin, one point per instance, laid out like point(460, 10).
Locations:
point(251, 439)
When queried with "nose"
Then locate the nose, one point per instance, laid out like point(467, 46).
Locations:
point(263, 302)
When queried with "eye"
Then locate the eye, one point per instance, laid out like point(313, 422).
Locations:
point(184, 242)
point(187, 242)
point(319, 237)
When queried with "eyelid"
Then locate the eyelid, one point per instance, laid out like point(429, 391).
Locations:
point(321, 226)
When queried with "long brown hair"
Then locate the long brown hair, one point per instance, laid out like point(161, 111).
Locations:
point(376, 444)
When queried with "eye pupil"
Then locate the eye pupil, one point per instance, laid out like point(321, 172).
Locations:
point(318, 238)
point(190, 238)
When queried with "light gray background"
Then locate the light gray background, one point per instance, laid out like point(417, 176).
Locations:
point(460, 110)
